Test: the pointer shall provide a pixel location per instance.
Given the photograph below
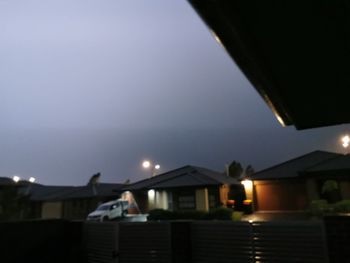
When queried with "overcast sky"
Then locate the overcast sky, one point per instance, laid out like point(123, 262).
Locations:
point(92, 86)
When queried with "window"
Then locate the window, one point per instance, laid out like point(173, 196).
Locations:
point(187, 202)
point(212, 201)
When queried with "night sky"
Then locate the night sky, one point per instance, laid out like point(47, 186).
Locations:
point(92, 86)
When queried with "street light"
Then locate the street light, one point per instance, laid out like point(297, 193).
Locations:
point(345, 141)
point(148, 165)
point(16, 178)
point(32, 179)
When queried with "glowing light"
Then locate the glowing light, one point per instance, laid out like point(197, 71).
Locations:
point(230, 202)
point(16, 178)
point(217, 39)
point(247, 202)
point(32, 179)
point(250, 221)
point(157, 167)
point(248, 184)
point(280, 120)
point(345, 141)
point(151, 194)
point(146, 164)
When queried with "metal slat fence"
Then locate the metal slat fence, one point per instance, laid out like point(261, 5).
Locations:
point(101, 242)
point(145, 242)
point(221, 242)
point(289, 242)
point(206, 242)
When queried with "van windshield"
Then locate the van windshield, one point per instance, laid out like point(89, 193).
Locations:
point(103, 207)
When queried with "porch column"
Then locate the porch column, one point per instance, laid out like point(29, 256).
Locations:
point(202, 200)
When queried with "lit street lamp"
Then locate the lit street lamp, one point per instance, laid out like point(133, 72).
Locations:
point(32, 179)
point(148, 165)
point(16, 178)
point(345, 141)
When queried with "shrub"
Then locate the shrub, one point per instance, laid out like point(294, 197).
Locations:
point(319, 207)
point(329, 186)
point(160, 214)
point(220, 214)
point(237, 216)
point(190, 214)
point(342, 206)
point(217, 214)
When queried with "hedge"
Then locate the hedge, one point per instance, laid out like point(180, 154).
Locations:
point(216, 214)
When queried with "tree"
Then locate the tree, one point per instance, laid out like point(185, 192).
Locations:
point(13, 204)
point(330, 190)
point(249, 170)
point(235, 170)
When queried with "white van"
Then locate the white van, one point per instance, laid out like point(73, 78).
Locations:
point(110, 210)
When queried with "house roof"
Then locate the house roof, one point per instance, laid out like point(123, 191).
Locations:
point(45, 193)
point(294, 53)
point(187, 176)
point(6, 181)
point(341, 162)
point(293, 167)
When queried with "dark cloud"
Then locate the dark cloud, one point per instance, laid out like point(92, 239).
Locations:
point(91, 86)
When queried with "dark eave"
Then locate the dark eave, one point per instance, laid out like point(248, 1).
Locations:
point(295, 53)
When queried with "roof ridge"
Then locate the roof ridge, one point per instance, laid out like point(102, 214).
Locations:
point(294, 159)
point(323, 161)
point(171, 171)
point(213, 178)
point(175, 176)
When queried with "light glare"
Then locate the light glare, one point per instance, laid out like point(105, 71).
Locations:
point(345, 141)
point(32, 179)
point(157, 167)
point(146, 164)
point(247, 184)
point(16, 178)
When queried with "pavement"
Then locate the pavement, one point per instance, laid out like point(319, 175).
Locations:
point(278, 216)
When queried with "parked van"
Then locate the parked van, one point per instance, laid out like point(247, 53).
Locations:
point(110, 210)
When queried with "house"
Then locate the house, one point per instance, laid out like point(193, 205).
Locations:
point(292, 185)
point(185, 188)
point(70, 202)
point(66, 202)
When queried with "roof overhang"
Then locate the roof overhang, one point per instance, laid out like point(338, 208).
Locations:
point(296, 54)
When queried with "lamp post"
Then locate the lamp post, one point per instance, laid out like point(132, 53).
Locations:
point(149, 165)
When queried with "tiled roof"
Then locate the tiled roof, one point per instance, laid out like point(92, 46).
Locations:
point(292, 168)
point(186, 176)
point(341, 162)
point(43, 192)
point(6, 181)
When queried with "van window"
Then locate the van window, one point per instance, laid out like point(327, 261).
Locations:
point(114, 206)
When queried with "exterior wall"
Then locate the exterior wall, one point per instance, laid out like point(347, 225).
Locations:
point(79, 208)
point(51, 210)
point(345, 189)
point(312, 189)
point(202, 201)
point(151, 199)
point(280, 195)
point(224, 190)
point(161, 200)
point(182, 198)
point(141, 199)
